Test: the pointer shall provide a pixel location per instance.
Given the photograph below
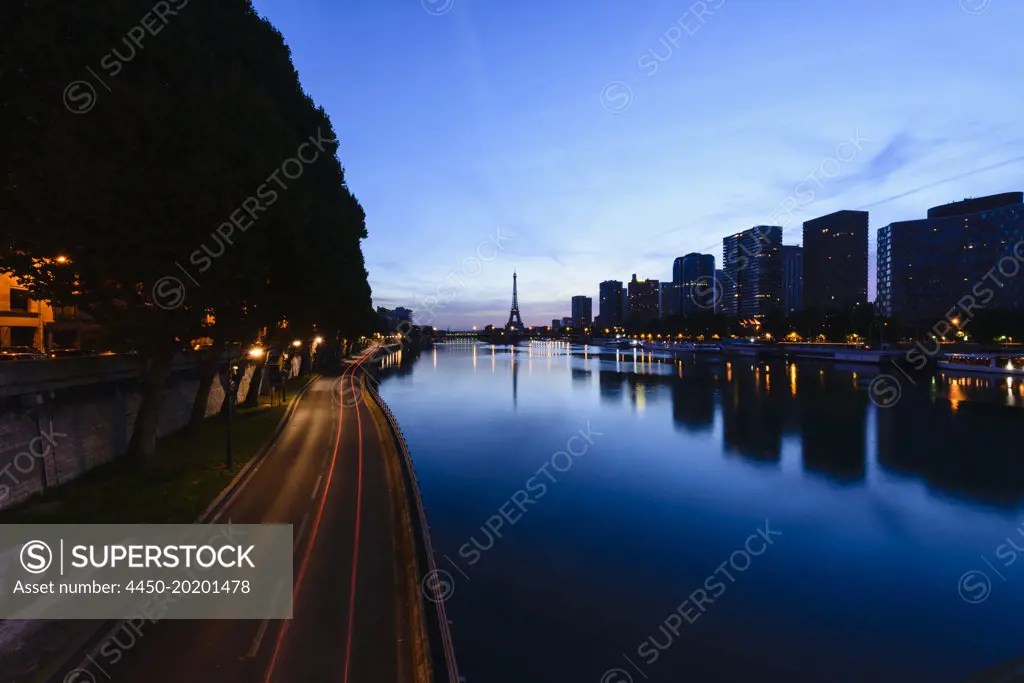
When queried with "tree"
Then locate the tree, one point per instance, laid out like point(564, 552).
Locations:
point(145, 183)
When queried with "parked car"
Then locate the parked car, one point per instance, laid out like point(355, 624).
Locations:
point(21, 353)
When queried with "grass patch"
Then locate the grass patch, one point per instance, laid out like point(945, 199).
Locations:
point(187, 473)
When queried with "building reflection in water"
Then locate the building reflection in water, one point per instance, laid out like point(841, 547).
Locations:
point(961, 434)
point(610, 384)
point(693, 398)
point(752, 416)
point(833, 424)
point(580, 378)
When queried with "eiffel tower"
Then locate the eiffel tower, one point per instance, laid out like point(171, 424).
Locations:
point(515, 323)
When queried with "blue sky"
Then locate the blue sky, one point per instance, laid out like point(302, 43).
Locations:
point(603, 138)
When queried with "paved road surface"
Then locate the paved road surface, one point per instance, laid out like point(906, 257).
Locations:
point(326, 475)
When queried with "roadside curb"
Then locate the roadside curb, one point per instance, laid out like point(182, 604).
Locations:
point(443, 651)
point(89, 644)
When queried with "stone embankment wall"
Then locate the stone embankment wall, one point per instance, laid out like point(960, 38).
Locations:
point(60, 418)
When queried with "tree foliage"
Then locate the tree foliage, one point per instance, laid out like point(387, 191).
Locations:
point(131, 135)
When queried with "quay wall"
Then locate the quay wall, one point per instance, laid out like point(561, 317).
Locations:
point(60, 418)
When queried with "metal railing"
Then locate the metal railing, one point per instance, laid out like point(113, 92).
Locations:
point(443, 636)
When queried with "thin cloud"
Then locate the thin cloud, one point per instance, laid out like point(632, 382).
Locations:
point(936, 183)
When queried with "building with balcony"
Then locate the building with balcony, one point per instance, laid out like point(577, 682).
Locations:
point(752, 283)
point(23, 320)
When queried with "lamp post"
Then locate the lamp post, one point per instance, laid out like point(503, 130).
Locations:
point(232, 390)
point(229, 460)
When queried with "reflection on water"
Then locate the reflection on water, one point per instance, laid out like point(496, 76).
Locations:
point(882, 510)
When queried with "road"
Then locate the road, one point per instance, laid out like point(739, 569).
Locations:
point(331, 474)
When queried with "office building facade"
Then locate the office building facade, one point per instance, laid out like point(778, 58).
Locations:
point(792, 279)
point(610, 303)
point(752, 282)
point(670, 296)
point(677, 269)
point(835, 261)
point(960, 254)
point(719, 296)
point(643, 300)
point(582, 312)
point(697, 273)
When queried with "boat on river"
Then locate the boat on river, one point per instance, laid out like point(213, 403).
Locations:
point(987, 363)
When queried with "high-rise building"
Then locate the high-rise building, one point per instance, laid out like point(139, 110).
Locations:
point(556, 323)
point(643, 300)
point(792, 279)
point(610, 303)
point(677, 269)
point(951, 259)
point(698, 280)
point(719, 295)
point(582, 311)
point(670, 296)
point(566, 321)
point(836, 261)
point(753, 271)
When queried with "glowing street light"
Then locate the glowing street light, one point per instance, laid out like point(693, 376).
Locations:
point(296, 343)
point(319, 340)
point(62, 259)
point(256, 353)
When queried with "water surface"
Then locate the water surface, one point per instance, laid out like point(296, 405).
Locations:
point(890, 527)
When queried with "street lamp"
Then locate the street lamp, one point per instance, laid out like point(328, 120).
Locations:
point(297, 343)
point(234, 373)
point(256, 352)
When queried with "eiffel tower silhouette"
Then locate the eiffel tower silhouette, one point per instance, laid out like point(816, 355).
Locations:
point(515, 322)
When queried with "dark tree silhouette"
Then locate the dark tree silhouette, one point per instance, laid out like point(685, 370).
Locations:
point(140, 145)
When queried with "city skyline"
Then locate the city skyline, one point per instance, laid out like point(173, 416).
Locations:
point(763, 276)
point(581, 194)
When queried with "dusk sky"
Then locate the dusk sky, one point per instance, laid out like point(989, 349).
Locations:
point(604, 138)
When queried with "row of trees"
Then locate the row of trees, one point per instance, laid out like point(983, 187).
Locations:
point(166, 173)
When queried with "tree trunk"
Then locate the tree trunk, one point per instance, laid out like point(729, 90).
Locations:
point(142, 446)
point(209, 364)
point(252, 397)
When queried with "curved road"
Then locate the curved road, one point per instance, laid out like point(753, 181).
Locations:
point(332, 474)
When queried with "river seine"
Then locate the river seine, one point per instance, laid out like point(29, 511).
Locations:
point(613, 516)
